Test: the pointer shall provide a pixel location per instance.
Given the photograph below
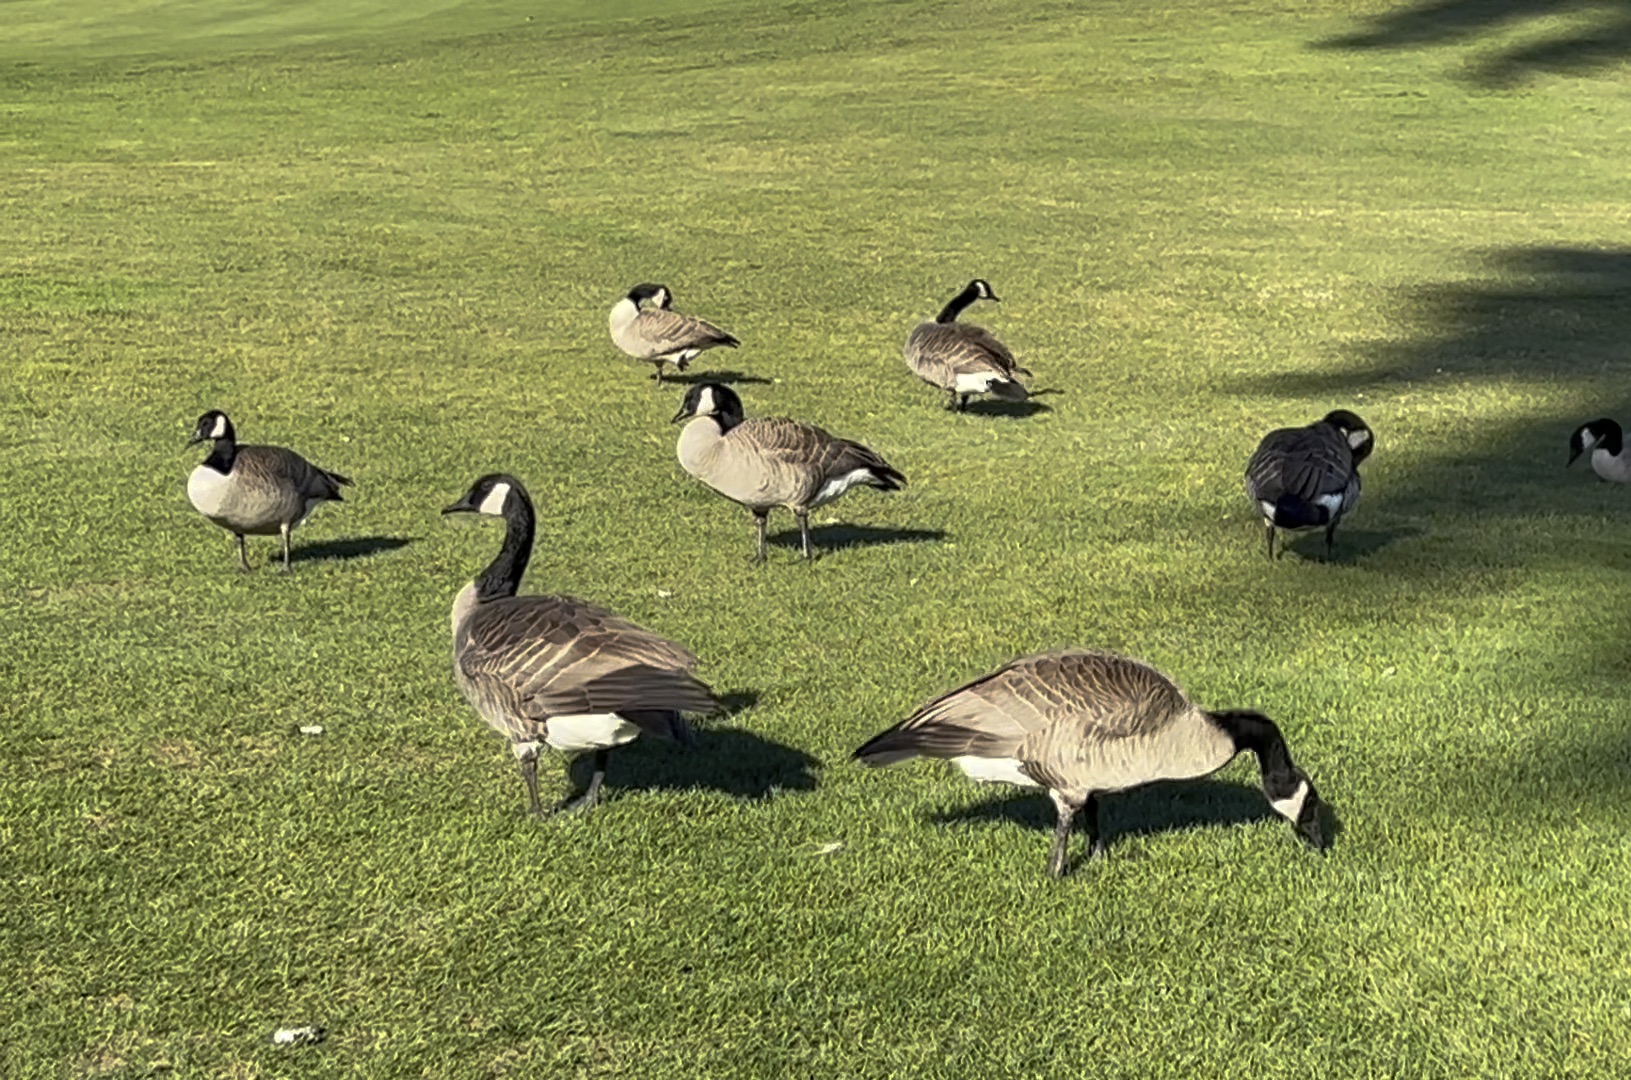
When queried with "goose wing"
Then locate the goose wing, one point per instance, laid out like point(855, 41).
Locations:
point(664, 331)
point(280, 466)
point(960, 349)
point(1307, 462)
point(561, 656)
point(807, 447)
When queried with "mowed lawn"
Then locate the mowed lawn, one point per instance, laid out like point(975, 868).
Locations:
point(387, 235)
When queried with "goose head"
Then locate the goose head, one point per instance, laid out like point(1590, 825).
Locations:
point(659, 295)
point(711, 399)
point(495, 495)
point(212, 425)
point(1603, 433)
point(980, 289)
point(1361, 440)
point(1293, 797)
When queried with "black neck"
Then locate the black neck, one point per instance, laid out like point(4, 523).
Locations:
point(221, 455)
point(727, 420)
point(955, 307)
point(503, 575)
point(1257, 733)
point(1613, 440)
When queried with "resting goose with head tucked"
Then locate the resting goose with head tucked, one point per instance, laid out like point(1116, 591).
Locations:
point(255, 490)
point(1308, 477)
point(1607, 445)
point(1083, 724)
point(658, 333)
point(767, 462)
point(555, 671)
point(961, 358)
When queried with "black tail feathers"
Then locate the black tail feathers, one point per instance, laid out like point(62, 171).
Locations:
point(1292, 511)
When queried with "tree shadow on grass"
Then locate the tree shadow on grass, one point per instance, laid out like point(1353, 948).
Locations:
point(357, 547)
point(839, 537)
point(1148, 811)
point(1599, 37)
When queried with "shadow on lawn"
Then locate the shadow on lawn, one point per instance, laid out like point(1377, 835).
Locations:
point(727, 378)
point(826, 538)
point(1148, 811)
point(357, 547)
point(1599, 35)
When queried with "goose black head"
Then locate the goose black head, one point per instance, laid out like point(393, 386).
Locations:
point(492, 495)
point(212, 425)
point(1603, 433)
point(659, 295)
point(1293, 797)
point(981, 290)
point(1361, 440)
point(711, 399)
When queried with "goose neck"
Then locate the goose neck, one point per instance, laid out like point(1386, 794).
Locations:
point(503, 575)
point(222, 454)
point(1254, 732)
point(955, 306)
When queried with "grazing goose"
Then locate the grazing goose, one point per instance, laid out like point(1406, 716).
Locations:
point(961, 358)
point(1308, 477)
point(659, 334)
point(1084, 724)
point(557, 671)
point(772, 461)
point(255, 490)
point(1607, 445)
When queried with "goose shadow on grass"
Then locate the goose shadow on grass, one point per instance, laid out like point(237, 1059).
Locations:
point(1014, 410)
point(727, 378)
point(838, 537)
point(1148, 811)
point(1352, 546)
point(738, 763)
point(357, 547)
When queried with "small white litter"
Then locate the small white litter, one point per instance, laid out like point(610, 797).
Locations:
point(665, 593)
point(312, 729)
point(828, 848)
point(297, 1035)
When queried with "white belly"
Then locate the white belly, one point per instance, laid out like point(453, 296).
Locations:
point(978, 383)
point(834, 488)
point(208, 491)
point(589, 731)
point(994, 770)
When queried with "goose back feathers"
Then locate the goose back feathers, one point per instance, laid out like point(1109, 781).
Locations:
point(555, 670)
point(1308, 477)
point(767, 462)
point(255, 490)
point(660, 334)
point(962, 358)
point(1082, 724)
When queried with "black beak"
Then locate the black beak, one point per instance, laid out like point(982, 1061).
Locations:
point(1312, 835)
point(1572, 456)
point(195, 440)
point(681, 415)
point(463, 506)
point(994, 298)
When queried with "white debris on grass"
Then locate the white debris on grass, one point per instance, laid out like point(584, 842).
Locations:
point(296, 1036)
point(312, 729)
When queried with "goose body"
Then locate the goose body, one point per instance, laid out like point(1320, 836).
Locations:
point(1082, 724)
point(255, 490)
point(1606, 442)
point(659, 334)
point(961, 358)
point(768, 462)
point(555, 671)
point(1308, 477)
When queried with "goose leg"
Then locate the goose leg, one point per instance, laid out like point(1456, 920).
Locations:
point(243, 557)
point(529, 773)
point(761, 519)
point(1270, 534)
point(589, 798)
point(962, 402)
point(1099, 848)
point(1330, 538)
point(1059, 859)
point(804, 529)
point(284, 529)
point(658, 374)
point(951, 402)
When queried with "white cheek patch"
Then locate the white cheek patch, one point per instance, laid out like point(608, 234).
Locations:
point(494, 502)
point(1356, 439)
point(705, 402)
point(663, 298)
point(1291, 807)
point(1588, 439)
point(220, 429)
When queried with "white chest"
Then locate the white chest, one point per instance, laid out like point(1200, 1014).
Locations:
point(463, 605)
point(699, 442)
point(1611, 466)
point(209, 491)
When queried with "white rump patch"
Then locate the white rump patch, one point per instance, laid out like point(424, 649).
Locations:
point(1332, 503)
point(994, 770)
point(979, 383)
point(494, 502)
point(207, 490)
point(834, 488)
point(589, 731)
point(1289, 808)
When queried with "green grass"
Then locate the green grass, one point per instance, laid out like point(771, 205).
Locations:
point(387, 236)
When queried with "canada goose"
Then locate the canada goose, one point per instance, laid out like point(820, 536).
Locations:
point(1607, 445)
point(961, 358)
point(557, 671)
point(772, 461)
point(1084, 724)
point(258, 490)
point(1308, 477)
point(658, 333)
